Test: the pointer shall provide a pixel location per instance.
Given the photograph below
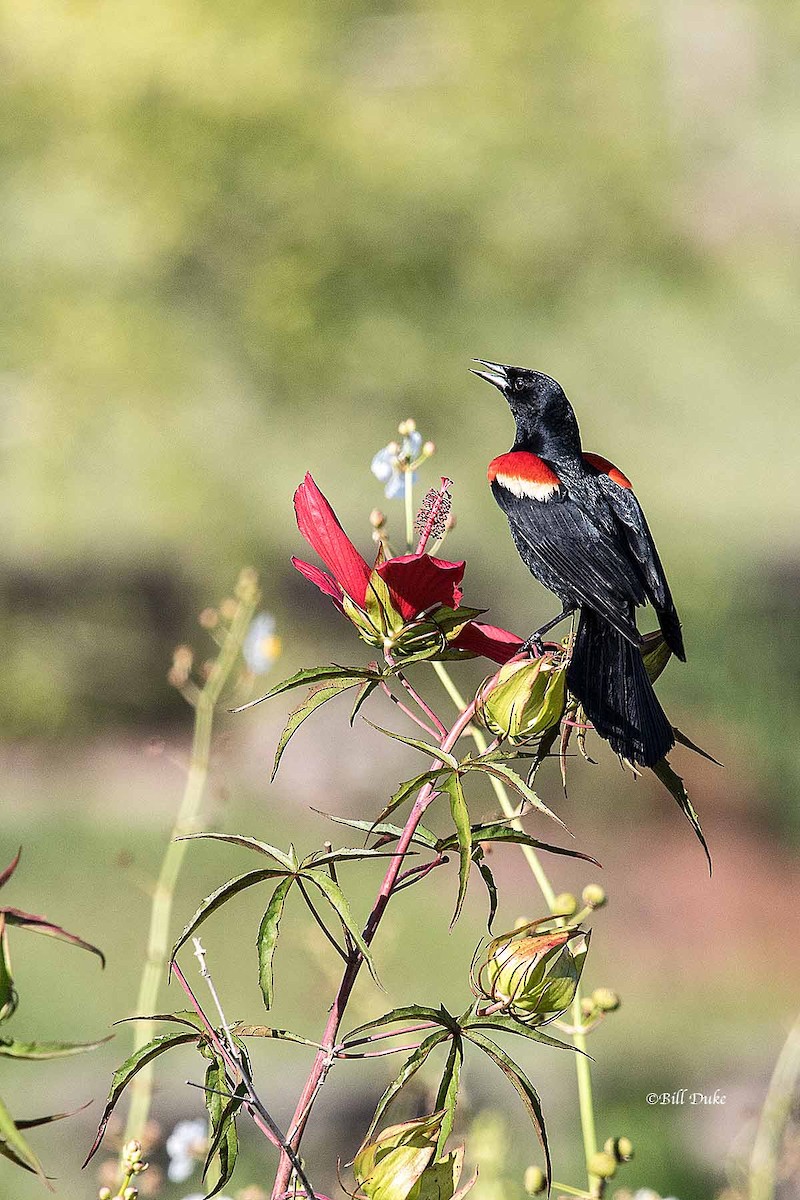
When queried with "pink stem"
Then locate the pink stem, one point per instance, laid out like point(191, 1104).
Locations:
point(379, 1053)
point(409, 712)
point(389, 1033)
point(422, 704)
point(324, 1058)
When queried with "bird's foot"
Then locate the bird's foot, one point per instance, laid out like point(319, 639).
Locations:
point(534, 646)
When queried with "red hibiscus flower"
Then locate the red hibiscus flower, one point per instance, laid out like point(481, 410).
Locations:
point(403, 604)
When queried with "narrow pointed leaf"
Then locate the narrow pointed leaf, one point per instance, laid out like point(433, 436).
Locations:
point(229, 1111)
point(499, 831)
point(124, 1074)
point(409, 1012)
point(491, 886)
point(339, 903)
point(460, 814)
point(515, 781)
point(525, 1089)
point(307, 678)
point(435, 752)
point(363, 694)
point(186, 1017)
point(223, 1125)
point(266, 1031)
point(408, 788)
point(42, 1050)
point(345, 854)
point(221, 896)
point(447, 1096)
point(504, 1023)
point(676, 788)
point(26, 920)
point(35, 1122)
point(690, 745)
point(8, 871)
point(8, 992)
point(268, 938)
point(421, 834)
point(314, 701)
point(14, 1146)
point(237, 839)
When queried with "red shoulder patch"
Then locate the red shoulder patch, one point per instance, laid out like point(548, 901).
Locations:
point(607, 468)
point(522, 465)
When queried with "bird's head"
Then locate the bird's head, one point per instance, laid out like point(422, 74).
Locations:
point(543, 413)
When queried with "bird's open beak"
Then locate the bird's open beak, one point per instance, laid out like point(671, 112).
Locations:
point(496, 374)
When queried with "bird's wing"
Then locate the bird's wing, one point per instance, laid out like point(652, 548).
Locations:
point(628, 511)
point(572, 548)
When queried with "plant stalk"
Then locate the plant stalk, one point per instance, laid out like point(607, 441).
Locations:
point(186, 821)
point(783, 1087)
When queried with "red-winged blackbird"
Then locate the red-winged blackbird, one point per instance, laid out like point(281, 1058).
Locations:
point(581, 532)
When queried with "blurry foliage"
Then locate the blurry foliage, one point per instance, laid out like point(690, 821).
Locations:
point(239, 239)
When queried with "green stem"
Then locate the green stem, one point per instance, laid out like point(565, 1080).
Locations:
point(583, 1069)
point(187, 821)
point(777, 1106)
point(408, 482)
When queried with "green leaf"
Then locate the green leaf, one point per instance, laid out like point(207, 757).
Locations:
point(124, 1074)
point(425, 748)
point(504, 1023)
point(310, 676)
point(8, 993)
point(36, 924)
point(527, 1092)
point(406, 1072)
point(447, 1096)
point(363, 695)
point(409, 1012)
point(690, 745)
point(222, 1115)
point(338, 902)
point(499, 831)
point(237, 839)
point(186, 1017)
point(9, 1048)
point(13, 1145)
point(512, 780)
point(267, 1031)
point(491, 886)
point(314, 701)
point(231, 1108)
point(268, 938)
point(344, 854)
point(220, 897)
point(421, 835)
point(460, 814)
point(676, 788)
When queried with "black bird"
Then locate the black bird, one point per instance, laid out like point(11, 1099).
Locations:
point(581, 532)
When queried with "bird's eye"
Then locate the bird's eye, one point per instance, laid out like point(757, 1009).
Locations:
point(519, 384)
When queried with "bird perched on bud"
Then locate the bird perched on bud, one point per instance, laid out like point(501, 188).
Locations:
point(581, 532)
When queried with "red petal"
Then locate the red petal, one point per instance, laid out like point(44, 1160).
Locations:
point(488, 641)
point(418, 582)
point(320, 526)
point(324, 582)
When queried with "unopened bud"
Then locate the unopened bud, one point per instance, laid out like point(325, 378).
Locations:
point(428, 449)
point(603, 1165)
point(407, 426)
point(621, 1148)
point(564, 905)
point(594, 896)
point(138, 1167)
point(130, 1193)
point(377, 519)
point(227, 608)
point(208, 618)
point(132, 1151)
point(606, 1000)
point(247, 586)
point(535, 1181)
point(588, 1007)
point(104, 1194)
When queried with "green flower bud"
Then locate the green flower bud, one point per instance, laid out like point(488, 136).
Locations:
point(401, 1164)
point(588, 1007)
point(594, 896)
point(621, 1148)
point(535, 1181)
point(104, 1193)
point(564, 905)
point(603, 1165)
point(531, 974)
point(528, 698)
point(606, 1000)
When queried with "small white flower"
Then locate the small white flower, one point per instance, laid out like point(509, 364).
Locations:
point(185, 1146)
point(261, 647)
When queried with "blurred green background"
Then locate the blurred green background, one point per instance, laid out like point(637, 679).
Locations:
point(243, 241)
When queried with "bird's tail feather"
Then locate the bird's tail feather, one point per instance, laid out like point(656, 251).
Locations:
point(607, 674)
